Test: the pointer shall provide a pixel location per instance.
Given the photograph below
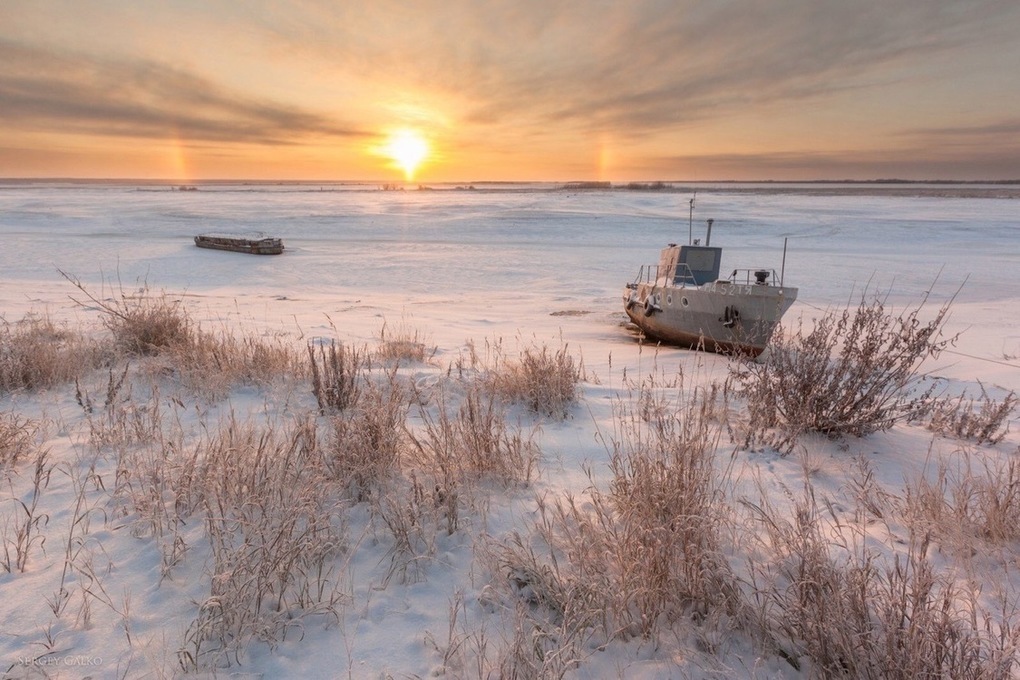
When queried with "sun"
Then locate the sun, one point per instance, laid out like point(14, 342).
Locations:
point(408, 149)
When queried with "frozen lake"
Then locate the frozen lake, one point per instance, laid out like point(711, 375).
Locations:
point(404, 252)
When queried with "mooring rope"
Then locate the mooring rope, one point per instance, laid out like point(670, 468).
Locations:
point(977, 358)
point(948, 351)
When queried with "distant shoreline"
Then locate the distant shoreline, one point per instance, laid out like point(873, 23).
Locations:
point(1001, 189)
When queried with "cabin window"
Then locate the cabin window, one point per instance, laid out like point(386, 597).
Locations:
point(701, 259)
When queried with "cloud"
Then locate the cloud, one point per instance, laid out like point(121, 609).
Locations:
point(43, 90)
point(500, 76)
point(633, 68)
point(916, 163)
point(1004, 132)
point(641, 67)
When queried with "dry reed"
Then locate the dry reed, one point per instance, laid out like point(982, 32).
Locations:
point(36, 353)
point(16, 434)
point(833, 607)
point(142, 323)
point(630, 562)
point(544, 380)
point(276, 530)
point(983, 420)
point(338, 373)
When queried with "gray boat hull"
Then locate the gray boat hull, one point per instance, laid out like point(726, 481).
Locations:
point(720, 316)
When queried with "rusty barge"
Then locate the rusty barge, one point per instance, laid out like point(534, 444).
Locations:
point(253, 244)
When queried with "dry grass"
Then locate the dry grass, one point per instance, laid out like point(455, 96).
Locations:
point(648, 555)
point(983, 420)
point(273, 499)
point(23, 529)
point(834, 608)
point(367, 440)
point(214, 363)
point(475, 444)
point(630, 562)
point(454, 453)
point(855, 372)
point(338, 373)
point(276, 531)
point(145, 324)
point(666, 505)
point(16, 434)
point(116, 415)
point(968, 500)
point(553, 614)
point(544, 380)
point(37, 353)
point(155, 489)
point(141, 323)
point(403, 345)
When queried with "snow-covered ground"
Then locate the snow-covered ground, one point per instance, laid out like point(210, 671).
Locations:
point(516, 266)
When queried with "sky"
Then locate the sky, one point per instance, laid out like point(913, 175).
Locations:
point(521, 90)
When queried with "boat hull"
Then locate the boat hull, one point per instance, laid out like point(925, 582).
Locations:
point(721, 316)
point(240, 244)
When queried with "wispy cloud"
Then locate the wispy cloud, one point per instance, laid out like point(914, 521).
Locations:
point(916, 164)
point(644, 66)
point(1001, 132)
point(77, 92)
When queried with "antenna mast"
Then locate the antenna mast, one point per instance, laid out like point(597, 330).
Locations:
point(690, 221)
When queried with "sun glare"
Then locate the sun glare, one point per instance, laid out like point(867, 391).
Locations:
point(408, 149)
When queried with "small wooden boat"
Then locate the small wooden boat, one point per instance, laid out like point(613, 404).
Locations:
point(683, 301)
point(254, 244)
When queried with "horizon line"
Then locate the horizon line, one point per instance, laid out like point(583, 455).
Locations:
point(576, 182)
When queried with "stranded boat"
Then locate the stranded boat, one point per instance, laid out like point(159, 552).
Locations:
point(682, 301)
point(255, 244)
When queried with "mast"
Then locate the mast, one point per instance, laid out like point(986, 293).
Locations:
point(690, 221)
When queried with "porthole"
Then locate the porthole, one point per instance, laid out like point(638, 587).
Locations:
point(683, 301)
point(669, 300)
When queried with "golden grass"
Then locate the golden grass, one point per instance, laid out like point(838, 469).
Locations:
point(403, 344)
point(546, 381)
point(16, 433)
point(825, 597)
point(337, 375)
point(37, 353)
point(983, 419)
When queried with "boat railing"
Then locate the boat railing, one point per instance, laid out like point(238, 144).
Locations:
point(674, 275)
point(680, 275)
point(759, 276)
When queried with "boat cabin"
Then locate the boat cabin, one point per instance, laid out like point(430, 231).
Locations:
point(689, 265)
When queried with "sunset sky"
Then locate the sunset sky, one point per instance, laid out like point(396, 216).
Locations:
point(510, 90)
